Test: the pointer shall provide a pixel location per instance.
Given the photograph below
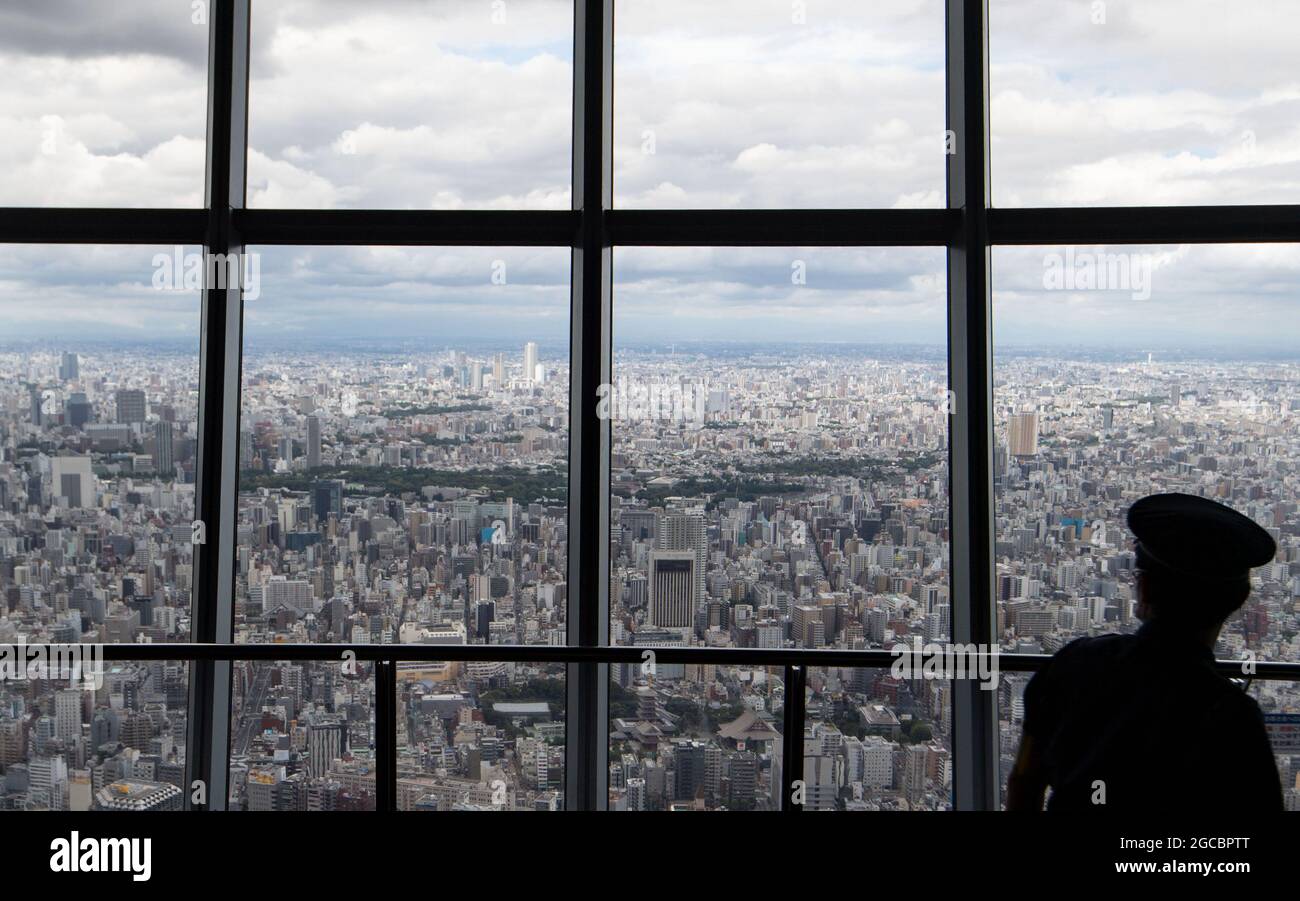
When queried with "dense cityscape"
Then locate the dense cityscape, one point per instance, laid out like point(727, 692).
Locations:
point(761, 496)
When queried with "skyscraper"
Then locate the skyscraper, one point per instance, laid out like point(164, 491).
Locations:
point(130, 405)
point(530, 360)
point(1022, 434)
point(313, 442)
point(163, 454)
point(69, 367)
point(78, 410)
point(686, 530)
point(672, 589)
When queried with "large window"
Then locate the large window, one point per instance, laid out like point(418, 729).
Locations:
point(678, 355)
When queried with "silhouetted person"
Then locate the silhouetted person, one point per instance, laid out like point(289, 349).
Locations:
point(1143, 721)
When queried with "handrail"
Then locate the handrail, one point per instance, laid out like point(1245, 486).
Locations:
point(875, 658)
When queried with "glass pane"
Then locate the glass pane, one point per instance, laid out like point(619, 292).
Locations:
point(401, 105)
point(876, 742)
point(1126, 371)
point(1280, 703)
point(680, 739)
point(1163, 102)
point(769, 103)
point(99, 373)
point(480, 736)
point(303, 736)
point(103, 104)
point(112, 742)
point(778, 473)
point(404, 447)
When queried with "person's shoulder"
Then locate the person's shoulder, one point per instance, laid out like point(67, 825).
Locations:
point(1093, 647)
point(1232, 703)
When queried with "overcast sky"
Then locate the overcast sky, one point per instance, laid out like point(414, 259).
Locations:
point(724, 104)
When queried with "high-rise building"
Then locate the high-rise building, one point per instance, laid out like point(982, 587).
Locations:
point(313, 442)
point(672, 589)
point(164, 460)
point(67, 714)
point(324, 746)
point(78, 410)
point(1022, 434)
point(130, 405)
point(327, 498)
point(530, 360)
point(686, 530)
point(69, 367)
point(73, 479)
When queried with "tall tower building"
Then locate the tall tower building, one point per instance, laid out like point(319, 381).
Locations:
point(130, 405)
point(67, 715)
point(313, 442)
point(1022, 434)
point(36, 399)
point(164, 460)
point(673, 597)
point(686, 530)
point(69, 367)
point(530, 360)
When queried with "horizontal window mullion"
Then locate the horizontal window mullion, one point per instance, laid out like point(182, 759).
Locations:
point(65, 225)
point(496, 228)
point(1145, 225)
point(782, 228)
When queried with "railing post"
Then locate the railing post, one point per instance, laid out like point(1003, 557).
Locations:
point(385, 735)
point(792, 737)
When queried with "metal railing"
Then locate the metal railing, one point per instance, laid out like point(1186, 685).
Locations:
point(795, 663)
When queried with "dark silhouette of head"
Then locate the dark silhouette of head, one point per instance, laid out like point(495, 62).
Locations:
point(1194, 558)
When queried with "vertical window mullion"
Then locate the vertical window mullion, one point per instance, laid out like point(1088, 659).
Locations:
point(207, 749)
point(587, 711)
point(974, 714)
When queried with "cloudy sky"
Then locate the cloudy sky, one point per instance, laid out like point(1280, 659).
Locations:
point(724, 104)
